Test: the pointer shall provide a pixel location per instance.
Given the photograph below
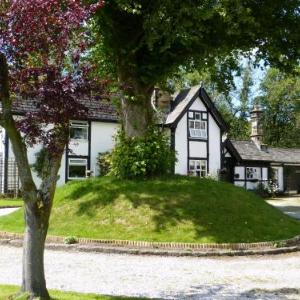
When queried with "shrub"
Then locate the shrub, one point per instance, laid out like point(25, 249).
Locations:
point(71, 240)
point(104, 163)
point(143, 156)
point(267, 190)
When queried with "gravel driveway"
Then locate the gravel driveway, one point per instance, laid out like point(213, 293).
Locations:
point(289, 205)
point(7, 211)
point(269, 277)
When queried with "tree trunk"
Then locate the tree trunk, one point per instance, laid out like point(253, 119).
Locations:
point(137, 112)
point(36, 227)
point(37, 203)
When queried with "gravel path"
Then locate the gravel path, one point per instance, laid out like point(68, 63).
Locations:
point(289, 205)
point(7, 211)
point(272, 277)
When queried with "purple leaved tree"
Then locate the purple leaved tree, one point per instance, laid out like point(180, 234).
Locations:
point(42, 48)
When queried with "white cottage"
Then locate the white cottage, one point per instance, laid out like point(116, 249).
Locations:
point(196, 129)
point(251, 163)
point(88, 138)
point(194, 124)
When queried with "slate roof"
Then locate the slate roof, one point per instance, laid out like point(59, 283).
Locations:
point(185, 98)
point(98, 110)
point(181, 102)
point(248, 150)
point(286, 155)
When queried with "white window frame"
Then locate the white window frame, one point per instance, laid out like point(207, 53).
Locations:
point(198, 167)
point(252, 173)
point(197, 127)
point(77, 162)
point(81, 125)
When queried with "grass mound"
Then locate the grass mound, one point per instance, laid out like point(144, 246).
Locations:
point(179, 209)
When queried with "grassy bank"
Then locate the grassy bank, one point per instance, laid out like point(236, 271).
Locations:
point(7, 292)
point(179, 209)
point(10, 202)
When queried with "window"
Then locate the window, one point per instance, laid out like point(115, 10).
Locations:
point(79, 130)
point(275, 175)
point(252, 173)
point(198, 167)
point(198, 126)
point(77, 168)
point(198, 129)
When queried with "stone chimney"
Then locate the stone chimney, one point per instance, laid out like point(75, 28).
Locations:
point(256, 126)
point(162, 100)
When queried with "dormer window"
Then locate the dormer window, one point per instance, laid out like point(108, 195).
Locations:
point(198, 125)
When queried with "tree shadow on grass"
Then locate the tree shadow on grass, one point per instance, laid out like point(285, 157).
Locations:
point(216, 210)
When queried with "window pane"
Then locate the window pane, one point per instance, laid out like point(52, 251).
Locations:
point(79, 133)
point(197, 125)
point(197, 116)
point(192, 164)
point(77, 171)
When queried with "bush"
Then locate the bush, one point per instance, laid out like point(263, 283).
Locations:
point(104, 163)
point(70, 240)
point(267, 190)
point(144, 156)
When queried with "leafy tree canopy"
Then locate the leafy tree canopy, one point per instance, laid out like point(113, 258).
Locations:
point(281, 103)
point(150, 39)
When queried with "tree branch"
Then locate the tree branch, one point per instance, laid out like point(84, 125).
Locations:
point(14, 135)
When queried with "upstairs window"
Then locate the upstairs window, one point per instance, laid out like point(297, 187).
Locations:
point(198, 168)
point(198, 125)
point(79, 130)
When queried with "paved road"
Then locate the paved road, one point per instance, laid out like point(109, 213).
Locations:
point(272, 277)
point(7, 211)
point(289, 205)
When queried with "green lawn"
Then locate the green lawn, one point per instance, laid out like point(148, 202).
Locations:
point(10, 202)
point(6, 292)
point(179, 209)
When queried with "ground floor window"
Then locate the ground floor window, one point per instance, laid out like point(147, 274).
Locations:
point(77, 168)
point(198, 167)
point(252, 173)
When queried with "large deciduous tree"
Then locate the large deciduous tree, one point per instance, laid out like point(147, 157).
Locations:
point(280, 101)
point(42, 43)
point(147, 40)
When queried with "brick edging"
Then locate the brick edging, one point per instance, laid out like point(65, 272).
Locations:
point(295, 241)
point(158, 252)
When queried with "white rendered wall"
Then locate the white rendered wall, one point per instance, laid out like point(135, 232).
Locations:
point(239, 183)
point(214, 147)
point(240, 171)
point(198, 105)
point(198, 149)
point(280, 178)
point(264, 173)
point(79, 147)
point(31, 154)
point(252, 185)
point(102, 140)
point(181, 146)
